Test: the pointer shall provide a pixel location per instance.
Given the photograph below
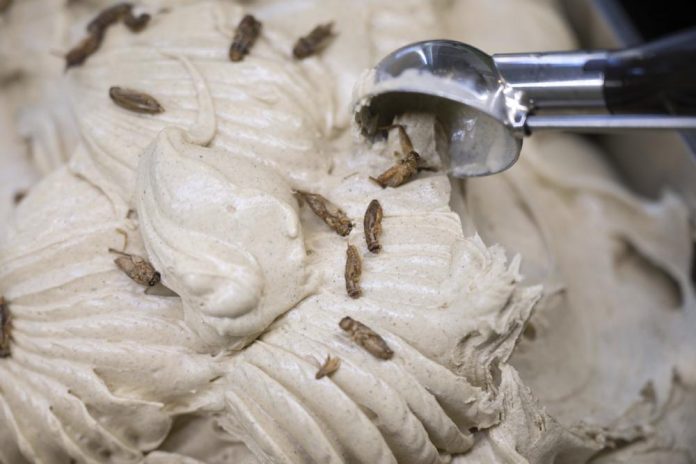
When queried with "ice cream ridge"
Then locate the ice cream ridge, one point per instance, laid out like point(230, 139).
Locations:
point(208, 263)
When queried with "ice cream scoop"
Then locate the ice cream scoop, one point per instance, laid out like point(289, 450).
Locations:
point(487, 104)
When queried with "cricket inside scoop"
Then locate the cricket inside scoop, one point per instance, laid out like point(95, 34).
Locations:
point(461, 86)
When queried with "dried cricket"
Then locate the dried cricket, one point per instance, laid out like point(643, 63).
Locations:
point(367, 338)
point(331, 214)
point(19, 196)
point(313, 42)
point(136, 23)
point(78, 54)
point(353, 272)
point(108, 16)
point(407, 167)
point(330, 366)
point(115, 13)
point(400, 173)
point(5, 5)
point(133, 100)
point(137, 268)
point(97, 28)
point(4, 329)
point(246, 34)
point(372, 224)
point(404, 139)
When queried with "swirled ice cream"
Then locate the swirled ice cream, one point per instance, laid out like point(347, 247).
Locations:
point(575, 349)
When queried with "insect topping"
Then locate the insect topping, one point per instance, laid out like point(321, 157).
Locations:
point(246, 34)
point(97, 28)
point(353, 271)
point(372, 223)
point(366, 338)
point(19, 196)
point(133, 100)
point(5, 5)
point(4, 329)
point(406, 168)
point(78, 54)
point(330, 366)
point(331, 214)
point(137, 268)
point(400, 173)
point(115, 13)
point(313, 42)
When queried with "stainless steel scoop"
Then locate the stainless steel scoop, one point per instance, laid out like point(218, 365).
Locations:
point(487, 104)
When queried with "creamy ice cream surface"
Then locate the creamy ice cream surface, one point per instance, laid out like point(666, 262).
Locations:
point(542, 315)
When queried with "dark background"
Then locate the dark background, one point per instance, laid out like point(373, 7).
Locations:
point(653, 19)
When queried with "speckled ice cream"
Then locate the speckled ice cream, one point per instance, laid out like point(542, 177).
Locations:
point(102, 372)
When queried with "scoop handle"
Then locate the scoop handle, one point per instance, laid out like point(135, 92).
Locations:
point(658, 77)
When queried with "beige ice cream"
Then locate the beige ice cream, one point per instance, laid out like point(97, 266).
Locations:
point(586, 357)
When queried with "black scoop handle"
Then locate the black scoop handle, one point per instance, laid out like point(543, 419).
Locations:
point(658, 77)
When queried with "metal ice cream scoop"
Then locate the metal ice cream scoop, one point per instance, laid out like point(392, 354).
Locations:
point(487, 104)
